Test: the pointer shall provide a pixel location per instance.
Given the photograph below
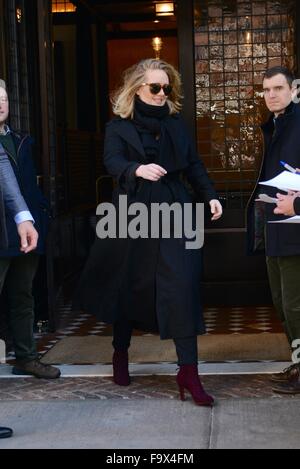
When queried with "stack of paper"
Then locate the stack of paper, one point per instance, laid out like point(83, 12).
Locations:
point(288, 220)
point(285, 181)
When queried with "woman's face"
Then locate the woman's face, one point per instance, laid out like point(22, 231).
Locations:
point(144, 93)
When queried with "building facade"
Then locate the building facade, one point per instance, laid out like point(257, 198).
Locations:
point(62, 59)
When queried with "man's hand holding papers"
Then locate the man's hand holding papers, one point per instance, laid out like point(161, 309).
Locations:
point(285, 204)
point(285, 181)
point(288, 182)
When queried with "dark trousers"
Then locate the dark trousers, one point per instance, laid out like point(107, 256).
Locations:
point(18, 274)
point(186, 348)
point(284, 276)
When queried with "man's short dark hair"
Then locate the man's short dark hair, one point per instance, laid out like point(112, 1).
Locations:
point(272, 72)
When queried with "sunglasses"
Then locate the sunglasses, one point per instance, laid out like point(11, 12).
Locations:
point(156, 87)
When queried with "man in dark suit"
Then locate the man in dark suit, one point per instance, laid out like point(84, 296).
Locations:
point(11, 200)
point(18, 269)
point(280, 240)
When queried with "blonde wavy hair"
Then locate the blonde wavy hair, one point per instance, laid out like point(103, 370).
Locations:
point(123, 98)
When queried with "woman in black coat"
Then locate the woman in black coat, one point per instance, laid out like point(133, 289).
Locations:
point(149, 282)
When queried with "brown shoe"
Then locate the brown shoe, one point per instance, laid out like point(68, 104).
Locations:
point(37, 369)
point(289, 375)
point(288, 388)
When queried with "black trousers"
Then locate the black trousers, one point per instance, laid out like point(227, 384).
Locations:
point(18, 273)
point(186, 347)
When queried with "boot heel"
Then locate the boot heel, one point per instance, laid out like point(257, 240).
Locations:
point(188, 379)
point(181, 392)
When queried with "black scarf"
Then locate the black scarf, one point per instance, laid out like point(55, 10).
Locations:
point(152, 122)
point(148, 117)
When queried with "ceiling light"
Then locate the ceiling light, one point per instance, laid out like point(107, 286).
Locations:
point(63, 6)
point(164, 9)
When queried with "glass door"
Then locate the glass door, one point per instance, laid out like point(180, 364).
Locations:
point(235, 43)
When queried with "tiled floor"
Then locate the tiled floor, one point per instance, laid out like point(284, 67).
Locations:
point(251, 320)
point(142, 387)
point(244, 320)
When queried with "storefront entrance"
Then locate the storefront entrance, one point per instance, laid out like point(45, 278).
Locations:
point(61, 69)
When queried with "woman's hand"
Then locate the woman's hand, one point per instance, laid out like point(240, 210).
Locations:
point(152, 172)
point(216, 209)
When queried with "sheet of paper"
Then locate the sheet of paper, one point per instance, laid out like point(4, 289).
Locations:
point(295, 219)
point(285, 181)
point(266, 198)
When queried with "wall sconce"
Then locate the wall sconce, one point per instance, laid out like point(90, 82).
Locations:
point(164, 9)
point(157, 44)
point(63, 6)
point(19, 15)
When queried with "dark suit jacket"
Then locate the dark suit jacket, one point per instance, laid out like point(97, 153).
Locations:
point(281, 143)
point(11, 199)
point(24, 171)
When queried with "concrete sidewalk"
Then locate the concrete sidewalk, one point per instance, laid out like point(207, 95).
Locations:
point(153, 424)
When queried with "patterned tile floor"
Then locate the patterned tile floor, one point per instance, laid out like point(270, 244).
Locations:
point(142, 387)
point(250, 320)
point(243, 320)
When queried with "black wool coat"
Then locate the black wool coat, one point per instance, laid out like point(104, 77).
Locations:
point(280, 144)
point(155, 283)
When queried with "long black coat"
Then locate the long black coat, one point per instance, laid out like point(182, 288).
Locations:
point(155, 283)
point(283, 144)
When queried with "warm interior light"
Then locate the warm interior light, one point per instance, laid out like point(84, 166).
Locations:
point(19, 15)
point(164, 9)
point(62, 6)
point(157, 46)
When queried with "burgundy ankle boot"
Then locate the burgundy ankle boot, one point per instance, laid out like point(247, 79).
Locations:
point(188, 378)
point(120, 368)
